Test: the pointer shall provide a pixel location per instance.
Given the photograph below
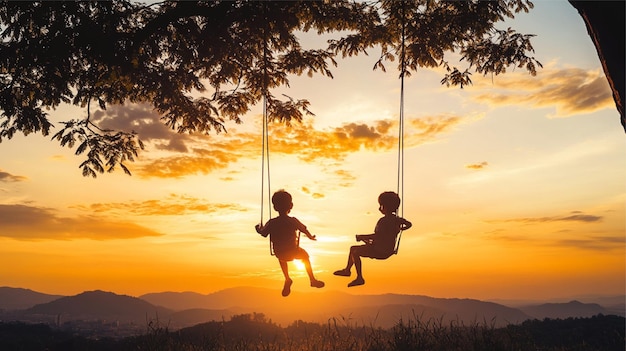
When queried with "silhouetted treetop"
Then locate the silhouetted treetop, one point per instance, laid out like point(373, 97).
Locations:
point(421, 34)
point(200, 64)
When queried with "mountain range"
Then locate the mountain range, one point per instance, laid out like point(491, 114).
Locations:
point(181, 309)
point(16, 298)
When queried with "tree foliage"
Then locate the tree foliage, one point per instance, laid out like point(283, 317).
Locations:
point(199, 64)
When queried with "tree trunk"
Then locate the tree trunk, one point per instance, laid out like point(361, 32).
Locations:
point(605, 25)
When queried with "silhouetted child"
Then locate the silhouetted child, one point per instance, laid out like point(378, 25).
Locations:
point(282, 232)
point(382, 243)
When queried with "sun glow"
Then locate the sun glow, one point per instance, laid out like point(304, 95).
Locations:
point(299, 265)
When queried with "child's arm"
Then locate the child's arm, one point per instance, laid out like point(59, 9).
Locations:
point(404, 224)
point(308, 234)
point(261, 230)
point(302, 228)
point(366, 238)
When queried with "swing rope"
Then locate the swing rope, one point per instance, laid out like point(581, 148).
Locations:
point(265, 154)
point(265, 147)
point(400, 185)
point(265, 166)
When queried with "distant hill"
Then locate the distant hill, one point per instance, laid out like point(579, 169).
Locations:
point(19, 299)
point(616, 305)
point(564, 310)
point(182, 309)
point(379, 310)
point(178, 301)
point(100, 305)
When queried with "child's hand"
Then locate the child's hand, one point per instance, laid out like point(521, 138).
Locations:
point(312, 237)
point(404, 224)
point(258, 228)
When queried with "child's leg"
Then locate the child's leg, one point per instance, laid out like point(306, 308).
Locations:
point(357, 265)
point(285, 268)
point(303, 256)
point(287, 286)
point(350, 257)
point(309, 270)
point(355, 255)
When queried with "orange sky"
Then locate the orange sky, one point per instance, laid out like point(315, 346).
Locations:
point(515, 186)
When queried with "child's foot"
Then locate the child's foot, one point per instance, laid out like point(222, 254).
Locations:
point(317, 283)
point(343, 272)
point(287, 287)
point(356, 282)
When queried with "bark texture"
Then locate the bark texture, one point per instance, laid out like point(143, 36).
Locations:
point(605, 25)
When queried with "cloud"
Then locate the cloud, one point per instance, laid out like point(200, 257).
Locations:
point(142, 119)
point(204, 154)
point(22, 222)
point(430, 127)
point(477, 166)
point(345, 178)
point(171, 206)
point(60, 158)
point(313, 194)
point(575, 216)
point(570, 90)
point(310, 144)
point(598, 243)
point(336, 143)
point(177, 166)
point(8, 177)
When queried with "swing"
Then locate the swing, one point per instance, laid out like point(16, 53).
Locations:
point(400, 184)
point(400, 180)
point(265, 154)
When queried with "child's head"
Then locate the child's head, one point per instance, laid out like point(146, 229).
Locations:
point(282, 201)
point(390, 201)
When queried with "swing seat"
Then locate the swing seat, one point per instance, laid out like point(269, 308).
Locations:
point(378, 255)
point(297, 247)
point(384, 256)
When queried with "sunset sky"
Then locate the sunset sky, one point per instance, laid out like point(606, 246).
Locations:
point(516, 187)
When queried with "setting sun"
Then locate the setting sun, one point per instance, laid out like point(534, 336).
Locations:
point(299, 265)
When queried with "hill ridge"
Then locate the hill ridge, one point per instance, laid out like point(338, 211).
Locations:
point(97, 304)
point(188, 307)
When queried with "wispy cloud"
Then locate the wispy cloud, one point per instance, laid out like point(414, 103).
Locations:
point(200, 161)
point(429, 128)
point(22, 222)
point(570, 90)
point(477, 166)
point(310, 144)
point(575, 216)
point(184, 155)
point(584, 242)
point(8, 177)
point(171, 206)
point(599, 243)
point(346, 178)
point(314, 194)
point(142, 119)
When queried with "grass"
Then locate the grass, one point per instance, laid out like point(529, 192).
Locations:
point(253, 332)
point(599, 333)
